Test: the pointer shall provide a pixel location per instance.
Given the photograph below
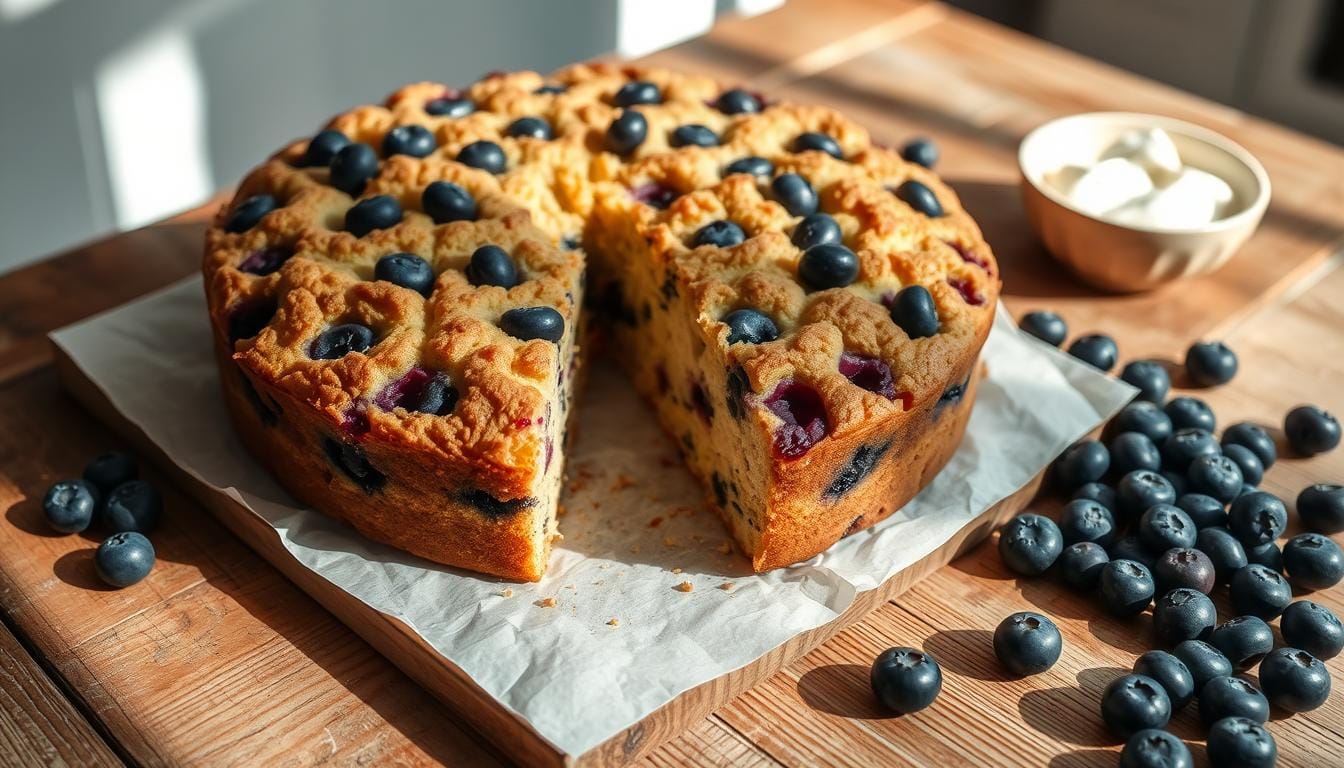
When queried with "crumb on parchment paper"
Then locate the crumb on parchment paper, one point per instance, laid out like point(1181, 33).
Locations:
point(676, 570)
point(506, 593)
point(614, 622)
point(727, 586)
point(685, 586)
point(545, 602)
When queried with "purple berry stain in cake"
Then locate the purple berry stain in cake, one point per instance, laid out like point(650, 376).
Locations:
point(264, 261)
point(354, 464)
point(970, 257)
point(420, 390)
point(700, 400)
point(950, 397)
point(355, 420)
point(653, 193)
point(969, 293)
point(492, 507)
point(250, 317)
point(859, 466)
point(800, 407)
point(868, 373)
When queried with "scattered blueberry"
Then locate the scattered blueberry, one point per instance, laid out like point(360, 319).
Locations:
point(529, 323)
point(1141, 489)
point(135, 505)
point(1131, 547)
point(1205, 511)
point(492, 265)
point(1150, 377)
point(1190, 412)
point(340, 340)
point(1254, 438)
point(920, 151)
point(1223, 549)
point(352, 167)
point(413, 140)
point(109, 470)
point(751, 165)
point(1096, 350)
point(322, 148)
point(737, 101)
point(1046, 326)
point(247, 213)
point(1085, 461)
point(693, 136)
point(1133, 703)
point(1243, 640)
point(1204, 661)
point(749, 326)
point(1183, 614)
point(1236, 742)
point(918, 196)
point(445, 201)
point(406, 270)
point(124, 559)
point(1210, 363)
point(1171, 673)
point(1027, 643)
point(724, 234)
point(1313, 561)
point(1252, 471)
point(486, 155)
point(1030, 543)
point(795, 194)
point(1311, 430)
point(1267, 554)
point(1216, 476)
point(1131, 451)
point(455, 105)
point(637, 92)
point(1080, 564)
point(1228, 696)
point(1154, 748)
point(1294, 680)
point(906, 680)
point(69, 505)
point(1145, 418)
point(1126, 587)
point(811, 140)
point(1260, 592)
point(1186, 445)
point(914, 311)
point(530, 128)
point(828, 266)
point(378, 212)
point(1164, 526)
point(1257, 518)
point(1313, 628)
point(1320, 507)
point(1101, 493)
point(1184, 567)
point(816, 229)
point(1087, 520)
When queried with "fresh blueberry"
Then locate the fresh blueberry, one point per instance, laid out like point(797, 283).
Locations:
point(413, 140)
point(1164, 526)
point(551, 89)
point(1236, 742)
point(378, 212)
point(406, 270)
point(109, 470)
point(637, 92)
point(1210, 363)
point(914, 311)
point(1252, 471)
point(1255, 438)
point(1080, 564)
point(1204, 661)
point(1320, 507)
point(486, 155)
point(420, 390)
point(322, 148)
point(1190, 412)
point(1131, 547)
point(828, 266)
point(1141, 489)
point(1150, 377)
point(1183, 614)
point(1134, 703)
point(445, 201)
point(1243, 640)
point(1257, 518)
point(920, 151)
point(724, 234)
point(1145, 418)
point(1260, 592)
point(340, 340)
point(917, 195)
point(453, 105)
point(1030, 543)
point(749, 326)
point(811, 140)
point(627, 132)
point(135, 505)
point(816, 229)
point(1171, 673)
point(1154, 748)
point(795, 193)
point(1186, 445)
point(1313, 628)
point(69, 505)
point(1313, 561)
point(1294, 680)
point(1229, 696)
point(124, 559)
point(1126, 587)
point(906, 680)
point(1184, 567)
point(1131, 451)
point(352, 167)
point(1267, 554)
point(529, 323)
point(1046, 326)
point(693, 136)
point(751, 165)
point(1101, 493)
point(1311, 430)
point(1223, 549)
point(1085, 461)
point(1087, 520)
point(530, 128)
point(1216, 476)
point(1027, 643)
point(1205, 511)
point(247, 213)
point(737, 101)
point(492, 265)
point(1096, 350)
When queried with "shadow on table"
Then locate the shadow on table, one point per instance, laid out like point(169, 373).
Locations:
point(1084, 758)
point(967, 652)
point(1071, 714)
point(841, 689)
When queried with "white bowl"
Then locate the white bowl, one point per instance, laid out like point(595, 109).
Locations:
point(1122, 258)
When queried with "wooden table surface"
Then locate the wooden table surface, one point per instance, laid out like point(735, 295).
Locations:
point(218, 659)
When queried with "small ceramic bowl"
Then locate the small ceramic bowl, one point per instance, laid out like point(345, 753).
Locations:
point(1123, 258)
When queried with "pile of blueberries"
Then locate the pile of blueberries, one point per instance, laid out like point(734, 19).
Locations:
point(1161, 514)
point(127, 508)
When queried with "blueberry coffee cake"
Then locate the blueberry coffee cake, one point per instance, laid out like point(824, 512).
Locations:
point(400, 302)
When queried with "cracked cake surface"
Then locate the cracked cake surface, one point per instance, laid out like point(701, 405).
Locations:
point(399, 304)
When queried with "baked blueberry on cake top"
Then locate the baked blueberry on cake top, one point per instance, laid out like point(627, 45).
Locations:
point(398, 310)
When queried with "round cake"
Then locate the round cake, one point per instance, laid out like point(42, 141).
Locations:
point(399, 303)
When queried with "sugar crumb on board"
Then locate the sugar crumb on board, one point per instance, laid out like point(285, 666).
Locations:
point(545, 602)
point(685, 586)
point(726, 547)
point(671, 542)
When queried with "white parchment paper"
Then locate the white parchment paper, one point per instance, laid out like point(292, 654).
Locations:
point(621, 639)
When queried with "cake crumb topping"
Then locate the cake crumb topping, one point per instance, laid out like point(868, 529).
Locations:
point(685, 586)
